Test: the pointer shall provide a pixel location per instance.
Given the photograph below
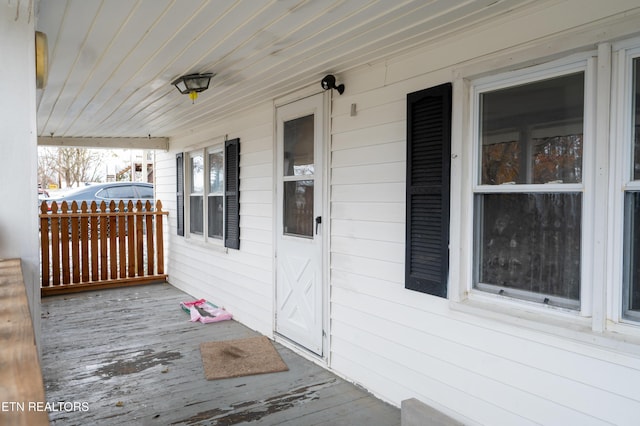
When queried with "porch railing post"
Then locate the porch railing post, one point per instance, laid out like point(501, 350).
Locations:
point(44, 245)
point(159, 238)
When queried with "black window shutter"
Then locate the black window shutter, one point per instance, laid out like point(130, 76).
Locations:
point(180, 193)
point(232, 193)
point(428, 176)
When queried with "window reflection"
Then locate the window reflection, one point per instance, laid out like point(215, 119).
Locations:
point(197, 173)
point(298, 146)
point(531, 243)
point(215, 215)
point(216, 173)
point(195, 214)
point(196, 223)
point(632, 291)
point(631, 295)
point(532, 133)
point(636, 119)
point(215, 201)
point(298, 208)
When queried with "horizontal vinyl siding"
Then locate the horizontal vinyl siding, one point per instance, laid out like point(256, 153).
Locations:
point(380, 192)
point(383, 231)
point(402, 344)
point(395, 342)
point(394, 385)
point(511, 372)
point(239, 280)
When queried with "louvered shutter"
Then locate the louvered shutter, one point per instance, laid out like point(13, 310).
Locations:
point(180, 193)
point(428, 169)
point(232, 193)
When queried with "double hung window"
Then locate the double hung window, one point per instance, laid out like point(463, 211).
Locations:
point(206, 196)
point(554, 212)
point(209, 193)
point(528, 190)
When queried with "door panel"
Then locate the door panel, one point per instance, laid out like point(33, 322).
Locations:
point(299, 241)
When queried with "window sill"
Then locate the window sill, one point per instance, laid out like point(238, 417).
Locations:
point(212, 245)
point(548, 325)
point(628, 330)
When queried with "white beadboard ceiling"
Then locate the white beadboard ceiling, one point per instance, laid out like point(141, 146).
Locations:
point(111, 62)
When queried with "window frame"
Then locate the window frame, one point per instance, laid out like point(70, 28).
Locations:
point(220, 193)
point(622, 136)
point(189, 193)
point(206, 193)
point(180, 187)
point(585, 64)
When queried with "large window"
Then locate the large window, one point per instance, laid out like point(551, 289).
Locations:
point(211, 189)
point(528, 190)
point(206, 177)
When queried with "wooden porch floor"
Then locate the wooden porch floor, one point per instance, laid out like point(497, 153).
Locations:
point(131, 356)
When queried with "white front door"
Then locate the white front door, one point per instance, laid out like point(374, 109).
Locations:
point(299, 222)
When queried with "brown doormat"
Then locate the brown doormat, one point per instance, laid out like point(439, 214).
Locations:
point(243, 357)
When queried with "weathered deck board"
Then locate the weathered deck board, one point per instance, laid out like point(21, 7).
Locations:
point(20, 379)
point(132, 355)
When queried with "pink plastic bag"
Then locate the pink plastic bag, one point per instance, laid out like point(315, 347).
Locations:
point(205, 312)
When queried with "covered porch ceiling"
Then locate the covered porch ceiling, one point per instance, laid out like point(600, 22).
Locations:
point(111, 62)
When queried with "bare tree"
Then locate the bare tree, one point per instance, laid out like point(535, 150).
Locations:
point(71, 165)
point(46, 167)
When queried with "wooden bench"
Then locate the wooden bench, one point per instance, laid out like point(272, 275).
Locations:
point(22, 397)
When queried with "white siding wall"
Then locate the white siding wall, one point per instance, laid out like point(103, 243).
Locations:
point(483, 369)
point(402, 344)
point(18, 149)
point(239, 280)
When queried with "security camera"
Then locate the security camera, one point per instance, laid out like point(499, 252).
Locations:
point(329, 82)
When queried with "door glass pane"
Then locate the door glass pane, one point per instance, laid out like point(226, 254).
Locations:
point(215, 216)
point(298, 208)
point(532, 133)
point(298, 146)
point(216, 173)
point(528, 246)
point(636, 119)
point(195, 214)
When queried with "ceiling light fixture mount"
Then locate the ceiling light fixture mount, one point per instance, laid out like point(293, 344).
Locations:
point(192, 84)
point(329, 82)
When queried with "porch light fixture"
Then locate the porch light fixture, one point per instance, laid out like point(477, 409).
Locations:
point(193, 84)
point(329, 82)
point(42, 62)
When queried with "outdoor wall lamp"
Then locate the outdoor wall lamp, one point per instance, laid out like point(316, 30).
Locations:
point(42, 61)
point(192, 84)
point(329, 82)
